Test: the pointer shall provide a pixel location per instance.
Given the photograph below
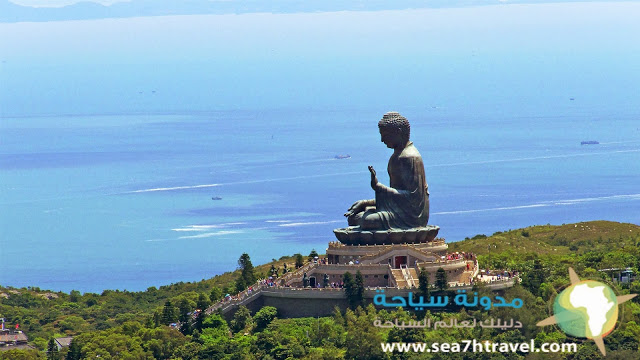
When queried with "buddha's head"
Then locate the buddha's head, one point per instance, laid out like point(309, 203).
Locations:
point(394, 130)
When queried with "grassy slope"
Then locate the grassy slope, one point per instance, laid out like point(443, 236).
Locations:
point(518, 247)
point(555, 240)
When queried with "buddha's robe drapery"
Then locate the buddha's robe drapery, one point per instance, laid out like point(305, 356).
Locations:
point(409, 207)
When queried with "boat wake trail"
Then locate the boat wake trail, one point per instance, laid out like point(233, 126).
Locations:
point(631, 197)
point(192, 228)
point(310, 223)
point(536, 158)
point(302, 177)
point(491, 209)
point(200, 236)
point(172, 188)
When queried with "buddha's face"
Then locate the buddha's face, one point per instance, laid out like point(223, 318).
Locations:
point(392, 139)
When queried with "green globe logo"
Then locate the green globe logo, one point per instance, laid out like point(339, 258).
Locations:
point(587, 309)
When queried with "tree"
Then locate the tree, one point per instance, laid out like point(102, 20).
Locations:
point(241, 319)
point(52, 350)
point(247, 275)
point(441, 279)
point(228, 289)
point(203, 302)
point(74, 323)
point(313, 254)
point(184, 317)
point(240, 284)
point(184, 308)
point(347, 283)
point(363, 338)
point(532, 280)
point(74, 296)
point(169, 313)
point(423, 283)
point(264, 316)
point(39, 343)
point(216, 294)
point(214, 321)
point(157, 318)
point(75, 351)
point(188, 351)
point(299, 261)
point(359, 289)
point(199, 321)
point(353, 289)
point(21, 354)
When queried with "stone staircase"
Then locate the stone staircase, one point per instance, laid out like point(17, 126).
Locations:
point(246, 297)
point(413, 274)
point(401, 283)
point(412, 281)
point(405, 277)
point(296, 274)
point(467, 275)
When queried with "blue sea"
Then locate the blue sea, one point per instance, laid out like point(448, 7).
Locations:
point(115, 135)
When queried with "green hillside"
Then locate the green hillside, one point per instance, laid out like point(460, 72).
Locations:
point(576, 238)
point(133, 325)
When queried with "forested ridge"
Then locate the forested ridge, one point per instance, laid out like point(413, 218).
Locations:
point(119, 324)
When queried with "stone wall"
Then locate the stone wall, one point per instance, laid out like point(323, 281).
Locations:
point(292, 307)
point(313, 302)
point(341, 254)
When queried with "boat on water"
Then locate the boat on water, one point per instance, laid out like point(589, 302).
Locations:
point(216, 198)
point(339, 157)
point(589, 142)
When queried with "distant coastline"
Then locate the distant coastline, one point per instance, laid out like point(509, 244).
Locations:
point(86, 10)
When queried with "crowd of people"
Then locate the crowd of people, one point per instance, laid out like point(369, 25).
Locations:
point(459, 256)
point(496, 275)
point(271, 282)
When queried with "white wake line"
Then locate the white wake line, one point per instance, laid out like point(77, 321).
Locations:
point(200, 236)
point(240, 182)
point(296, 224)
point(491, 209)
point(309, 223)
point(536, 158)
point(211, 234)
point(207, 227)
point(172, 188)
point(364, 171)
point(620, 142)
point(601, 198)
point(545, 204)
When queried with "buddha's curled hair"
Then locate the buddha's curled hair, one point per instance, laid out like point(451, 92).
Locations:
point(394, 121)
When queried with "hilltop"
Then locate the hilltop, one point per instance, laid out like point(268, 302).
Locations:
point(578, 238)
point(540, 254)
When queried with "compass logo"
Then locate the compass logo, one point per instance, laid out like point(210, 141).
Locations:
point(586, 309)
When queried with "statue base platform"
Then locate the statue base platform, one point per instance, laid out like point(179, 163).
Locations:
point(353, 235)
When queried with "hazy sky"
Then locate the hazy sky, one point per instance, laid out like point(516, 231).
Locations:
point(59, 3)
point(496, 56)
